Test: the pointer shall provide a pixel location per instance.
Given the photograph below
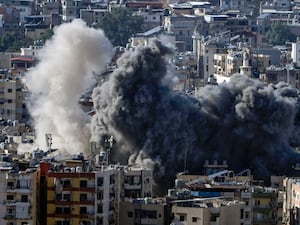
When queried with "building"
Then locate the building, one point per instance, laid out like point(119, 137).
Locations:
point(182, 26)
point(207, 212)
point(69, 197)
point(295, 54)
point(291, 203)
point(75, 193)
point(144, 211)
point(11, 100)
point(18, 197)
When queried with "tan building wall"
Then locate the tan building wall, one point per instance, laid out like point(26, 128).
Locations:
point(141, 213)
point(221, 214)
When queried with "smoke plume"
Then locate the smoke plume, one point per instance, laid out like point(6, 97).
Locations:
point(66, 67)
point(244, 122)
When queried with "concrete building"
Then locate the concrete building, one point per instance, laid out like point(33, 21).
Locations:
point(18, 197)
point(289, 74)
point(231, 4)
point(25, 8)
point(291, 203)
point(11, 99)
point(74, 195)
point(144, 211)
point(295, 54)
point(183, 28)
point(69, 10)
point(70, 196)
point(207, 212)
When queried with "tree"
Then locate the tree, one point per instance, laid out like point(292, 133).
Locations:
point(47, 35)
point(279, 34)
point(11, 42)
point(119, 25)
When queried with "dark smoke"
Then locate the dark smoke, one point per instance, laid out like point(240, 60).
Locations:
point(244, 122)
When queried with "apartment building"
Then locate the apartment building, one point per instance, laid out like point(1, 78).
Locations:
point(69, 10)
point(70, 196)
point(182, 26)
point(207, 212)
point(11, 99)
point(143, 211)
point(291, 203)
point(18, 197)
point(263, 205)
point(76, 194)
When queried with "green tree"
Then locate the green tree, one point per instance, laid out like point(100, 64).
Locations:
point(47, 35)
point(12, 42)
point(119, 25)
point(279, 34)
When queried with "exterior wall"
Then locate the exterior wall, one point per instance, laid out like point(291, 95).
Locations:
point(141, 213)
point(295, 55)
point(11, 99)
point(137, 183)
point(107, 196)
point(230, 214)
point(20, 198)
point(70, 197)
point(69, 10)
point(183, 28)
point(231, 4)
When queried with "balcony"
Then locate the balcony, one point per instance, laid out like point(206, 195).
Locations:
point(10, 216)
point(246, 195)
point(132, 186)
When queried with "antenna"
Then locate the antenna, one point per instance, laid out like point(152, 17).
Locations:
point(49, 140)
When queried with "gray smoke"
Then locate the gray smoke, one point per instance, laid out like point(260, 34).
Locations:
point(244, 122)
point(67, 64)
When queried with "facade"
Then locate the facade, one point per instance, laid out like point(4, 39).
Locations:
point(291, 203)
point(207, 212)
point(76, 196)
point(143, 211)
point(295, 54)
point(69, 10)
point(18, 197)
point(182, 27)
point(71, 197)
point(11, 99)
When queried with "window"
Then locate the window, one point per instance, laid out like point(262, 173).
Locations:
point(100, 195)
point(181, 218)
point(130, 214)
point(82, 222)
point(83, 210)
point(242, 213)
point(83, 197)
point(83, 183)
point(194, 219)
point(62, 223)
point(9, 101)
point(9, 90)
point(247, 215)
point(24, 198)
point(100, 208)
point(100, 181)
point(111, 179)
point(10, 185)
point(62, 210)
point(63, 197)
point(214, 216)
point(10, 197)
point(66, 183)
